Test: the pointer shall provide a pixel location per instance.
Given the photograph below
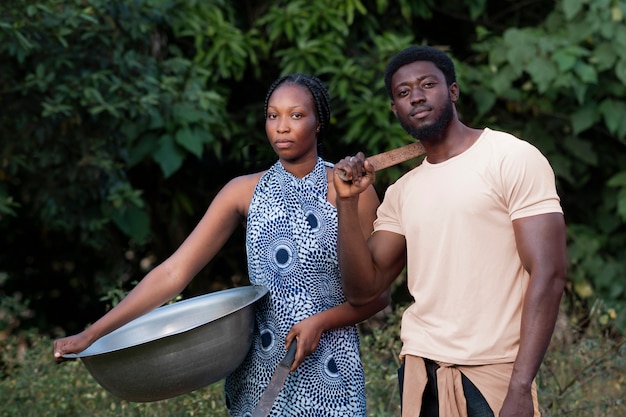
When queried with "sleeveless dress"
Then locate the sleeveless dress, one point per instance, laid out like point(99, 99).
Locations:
point(291, 243)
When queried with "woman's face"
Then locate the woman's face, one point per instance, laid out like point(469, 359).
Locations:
point(291, 124)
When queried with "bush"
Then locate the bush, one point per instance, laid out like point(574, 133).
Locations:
point(583, 375)
point(33, 385)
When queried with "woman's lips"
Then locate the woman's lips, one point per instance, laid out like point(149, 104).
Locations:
point(283, 144)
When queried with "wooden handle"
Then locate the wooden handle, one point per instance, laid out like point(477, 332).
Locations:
point(393, 157)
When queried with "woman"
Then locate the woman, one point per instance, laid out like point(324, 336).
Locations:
point(291, 235)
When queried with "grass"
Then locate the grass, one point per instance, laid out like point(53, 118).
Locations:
point(583, 374)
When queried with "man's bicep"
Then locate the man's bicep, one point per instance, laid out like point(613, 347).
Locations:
point(541, 241)
point(388, 251)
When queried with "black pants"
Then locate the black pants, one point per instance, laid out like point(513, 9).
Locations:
point(477, 406)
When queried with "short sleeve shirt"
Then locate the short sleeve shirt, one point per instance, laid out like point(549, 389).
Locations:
point(463, 269)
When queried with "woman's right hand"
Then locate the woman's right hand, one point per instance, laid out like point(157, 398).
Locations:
point(70, 344)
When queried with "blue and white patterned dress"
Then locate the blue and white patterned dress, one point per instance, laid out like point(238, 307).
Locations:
point(291, 241)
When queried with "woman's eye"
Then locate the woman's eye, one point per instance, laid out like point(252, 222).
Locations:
point(296, 115)
point(271, 116)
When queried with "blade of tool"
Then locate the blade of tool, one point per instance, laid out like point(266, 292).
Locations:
point(266, 401)
point(393, 157)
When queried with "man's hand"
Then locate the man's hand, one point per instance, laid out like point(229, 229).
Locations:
point(359, 174)
point(517, 403)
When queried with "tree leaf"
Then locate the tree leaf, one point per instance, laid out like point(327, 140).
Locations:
point(564, 59)
point(613, 112)
point(620, 70)
point(604, 56)
point(168, 156)
point(617, 180)
point(586, 72)
point(133, 221)
point(484, 100)
point(584, 118)
point(188, 140)
point(621, 204)
point(582, 150)
point(543, 72)
point(572, 7)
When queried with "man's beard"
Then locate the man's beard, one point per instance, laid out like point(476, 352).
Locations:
point(431, 132)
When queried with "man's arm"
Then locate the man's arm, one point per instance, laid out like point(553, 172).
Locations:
point(541, 243)
point(368, 265)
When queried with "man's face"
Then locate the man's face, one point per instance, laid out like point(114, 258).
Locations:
point(422, 100)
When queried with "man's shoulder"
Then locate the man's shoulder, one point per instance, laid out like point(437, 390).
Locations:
point(507, 143)
point(500, 136)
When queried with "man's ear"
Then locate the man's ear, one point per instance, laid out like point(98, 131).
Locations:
point(454, 92)
point(393, 108)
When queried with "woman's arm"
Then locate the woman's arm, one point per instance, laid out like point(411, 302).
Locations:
point(170, 277)
point(309, 331)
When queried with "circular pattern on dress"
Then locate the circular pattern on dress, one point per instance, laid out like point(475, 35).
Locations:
point(316, 218)
point(283, 255)
point(267, 339)
point(291, 245)
point(331, 367)
point(312, 220)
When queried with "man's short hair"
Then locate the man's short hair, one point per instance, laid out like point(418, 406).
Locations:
point(420, 53)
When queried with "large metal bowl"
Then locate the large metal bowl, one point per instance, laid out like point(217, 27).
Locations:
point(177, 348)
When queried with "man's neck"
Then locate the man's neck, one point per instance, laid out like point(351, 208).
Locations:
point(457, 139)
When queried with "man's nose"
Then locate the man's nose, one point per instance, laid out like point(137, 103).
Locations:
point(417, 95)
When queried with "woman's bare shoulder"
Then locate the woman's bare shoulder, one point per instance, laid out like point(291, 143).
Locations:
point(248, 181)
point(238, 191)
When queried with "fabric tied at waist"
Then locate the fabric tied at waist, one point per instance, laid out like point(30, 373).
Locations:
point(491, 380)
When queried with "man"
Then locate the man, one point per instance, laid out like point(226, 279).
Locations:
point(480, 229)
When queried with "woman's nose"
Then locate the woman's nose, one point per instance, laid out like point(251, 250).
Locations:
point(282, 125)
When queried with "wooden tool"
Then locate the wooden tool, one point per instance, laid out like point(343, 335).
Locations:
point(393, 157)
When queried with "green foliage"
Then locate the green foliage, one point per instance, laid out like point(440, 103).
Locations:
point(96, 90)
point(32, 385)
point(560, 84)
point(583, 372)
point(582, 375)
point(380, 353)
point(123, 119)
point(13, 310)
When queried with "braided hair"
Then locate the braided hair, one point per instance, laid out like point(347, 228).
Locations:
point(420, 53)
point(318, 90)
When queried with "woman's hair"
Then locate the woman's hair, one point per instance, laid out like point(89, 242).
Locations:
point(318, 90)
point(420, 53)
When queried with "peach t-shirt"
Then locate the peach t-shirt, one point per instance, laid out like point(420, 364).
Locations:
point(463, 269)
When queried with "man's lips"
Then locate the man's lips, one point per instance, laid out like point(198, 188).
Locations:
point(420, 112)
